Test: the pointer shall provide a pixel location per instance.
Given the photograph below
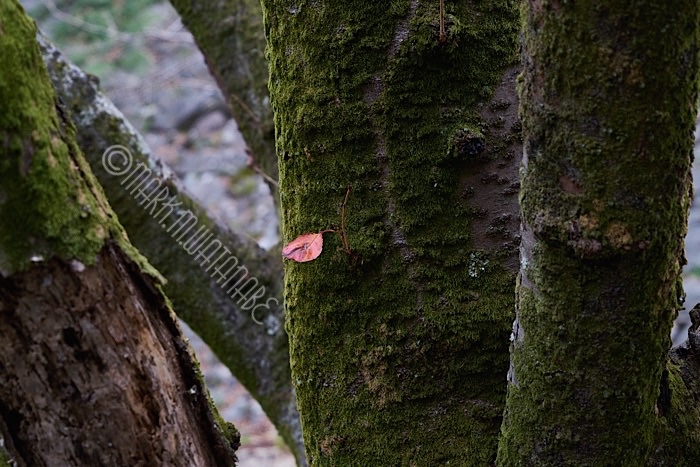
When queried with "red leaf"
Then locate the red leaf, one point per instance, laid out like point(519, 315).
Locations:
point(304, 248)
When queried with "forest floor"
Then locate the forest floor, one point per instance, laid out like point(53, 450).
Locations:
point(151, 69)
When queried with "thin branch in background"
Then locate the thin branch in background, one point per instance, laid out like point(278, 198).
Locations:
point(346, 244)
point(253, 164)
point(245, 108)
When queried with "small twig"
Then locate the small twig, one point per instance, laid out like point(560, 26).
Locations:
point(253, 164)
point(341, 233)
point(443, 36)
point(342, 220)
point(245, 108)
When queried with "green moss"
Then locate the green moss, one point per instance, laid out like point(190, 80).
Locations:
point(678, 419)
point(5, 459)
point(50, 204)
point(45, 207)
point(398, 351)
point(227, 429)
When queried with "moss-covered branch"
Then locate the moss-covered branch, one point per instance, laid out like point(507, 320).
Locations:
point(246, 330)
point(608, 106)
point(231, 37)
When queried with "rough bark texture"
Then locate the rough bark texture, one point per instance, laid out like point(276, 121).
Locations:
point(398, 347)
point(608, 106)
point(230, 35)
point(95, 370)
point(252, 344)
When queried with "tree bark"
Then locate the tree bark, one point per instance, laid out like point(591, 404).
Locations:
point(249, 339)
point(99, 372)
point(608, 112)
point(398, 346)
point(96, 370)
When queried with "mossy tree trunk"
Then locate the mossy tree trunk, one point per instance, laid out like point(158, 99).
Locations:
point(399, 347)
point(608, 101)
point(94, 368)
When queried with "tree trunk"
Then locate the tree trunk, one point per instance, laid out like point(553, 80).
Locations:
point(96, 371)
point(399, 347)
point(608, 112)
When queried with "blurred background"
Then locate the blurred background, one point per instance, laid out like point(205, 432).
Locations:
point(150, 67)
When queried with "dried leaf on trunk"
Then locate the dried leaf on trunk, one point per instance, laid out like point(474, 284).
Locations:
point(304, 248)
